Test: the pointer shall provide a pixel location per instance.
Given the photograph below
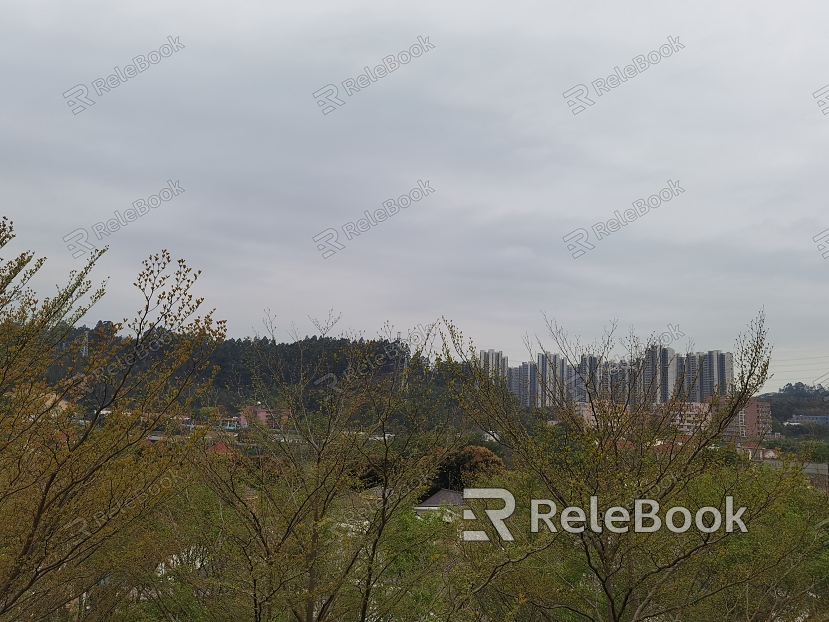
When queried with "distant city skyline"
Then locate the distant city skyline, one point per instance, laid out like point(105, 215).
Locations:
point(485, 114)
point(660, 371)
point(786, 366)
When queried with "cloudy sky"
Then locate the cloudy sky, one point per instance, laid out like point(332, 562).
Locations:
point(231, 116)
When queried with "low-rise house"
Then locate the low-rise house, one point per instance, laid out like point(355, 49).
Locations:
point(804, 419)
point(757, 452)
point(450, 502)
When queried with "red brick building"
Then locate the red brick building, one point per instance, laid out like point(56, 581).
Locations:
point(265, 416)
point(758, 419)
point(752, 423)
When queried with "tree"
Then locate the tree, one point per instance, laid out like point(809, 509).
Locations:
point(463, 466)
point(283, 525)
point(72, 453)
point(620, 445)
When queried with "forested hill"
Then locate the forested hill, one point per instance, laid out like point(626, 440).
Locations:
point(239, 359)
point(797, 399)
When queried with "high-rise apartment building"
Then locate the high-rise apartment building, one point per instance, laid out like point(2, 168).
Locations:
point(706, 374)
point(524, 383)
point(661, 372)
point(667, 374)
point(712, 379)
point(725, 372)
point(690, 379)
point(495, 362)
point(652, 378)
point(555, 379)
point(587, 378)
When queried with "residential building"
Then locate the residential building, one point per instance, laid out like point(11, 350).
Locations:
point(752, 423)
point(691, 416)
point(495, 362)
point(667, 374)
point(652, 378)
point(804, 419)
point(758, 452)
point(523, 382)
point(757, 419)
point(689, 379)
point(552, 378)
point(717, 373)
point(449, 502)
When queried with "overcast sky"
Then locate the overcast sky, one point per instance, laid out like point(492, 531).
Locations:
point(730, 116)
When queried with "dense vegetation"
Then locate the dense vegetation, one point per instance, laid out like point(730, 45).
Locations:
point(798, 399)
point(117, 504)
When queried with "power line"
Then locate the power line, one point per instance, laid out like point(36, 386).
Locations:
point(818, 359)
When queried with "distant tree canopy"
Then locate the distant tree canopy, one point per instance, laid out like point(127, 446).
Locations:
point(797, 399)
point(309, 515)
point(799, 389)
point(76, 414)
point(239, 362)
point(463, 466)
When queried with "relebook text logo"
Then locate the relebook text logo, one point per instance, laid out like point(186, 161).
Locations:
point(578, 97)
point(78, 241)
point(328, 97)
point(573, 519)
point(577, 240)
point(78, 97)
point(328, 241)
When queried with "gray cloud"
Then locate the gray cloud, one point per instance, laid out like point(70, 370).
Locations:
point(482, 117)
